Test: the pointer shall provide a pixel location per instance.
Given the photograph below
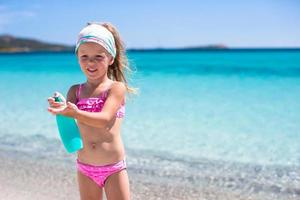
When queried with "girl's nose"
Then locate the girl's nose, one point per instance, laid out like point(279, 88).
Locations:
point(91, 62)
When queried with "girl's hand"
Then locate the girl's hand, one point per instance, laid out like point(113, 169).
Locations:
point(69, 110)
point(55, 104)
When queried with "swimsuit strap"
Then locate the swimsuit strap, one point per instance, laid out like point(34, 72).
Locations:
point(78, 92)
point(104, 94)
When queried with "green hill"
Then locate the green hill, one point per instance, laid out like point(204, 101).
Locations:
point(9, 43)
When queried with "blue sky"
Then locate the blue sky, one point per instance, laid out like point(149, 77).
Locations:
point(235, 23)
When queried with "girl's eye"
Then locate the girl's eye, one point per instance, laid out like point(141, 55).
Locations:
point(99, 57)
point(83, 57)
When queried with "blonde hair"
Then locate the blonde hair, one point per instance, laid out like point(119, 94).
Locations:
point(120, 66)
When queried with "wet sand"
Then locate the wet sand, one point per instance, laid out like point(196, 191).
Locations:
point(23, 176)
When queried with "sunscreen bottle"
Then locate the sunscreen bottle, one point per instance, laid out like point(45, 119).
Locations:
point(68, 129)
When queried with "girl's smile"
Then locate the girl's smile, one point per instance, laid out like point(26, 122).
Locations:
point(92, 71)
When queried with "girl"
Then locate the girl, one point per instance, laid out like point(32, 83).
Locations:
point(98, 105)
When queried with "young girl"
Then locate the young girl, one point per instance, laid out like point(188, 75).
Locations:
point(98, 105)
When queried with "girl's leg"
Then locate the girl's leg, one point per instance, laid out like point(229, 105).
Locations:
point(88, 189)
point(117, 186)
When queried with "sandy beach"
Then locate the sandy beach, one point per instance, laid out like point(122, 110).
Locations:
point(25, 176)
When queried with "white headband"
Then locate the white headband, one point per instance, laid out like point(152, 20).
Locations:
point(97, 33)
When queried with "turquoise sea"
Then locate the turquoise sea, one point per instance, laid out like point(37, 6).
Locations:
point(240, 108)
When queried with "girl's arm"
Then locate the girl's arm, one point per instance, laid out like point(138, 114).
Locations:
point(109, 110)
point(71, 96)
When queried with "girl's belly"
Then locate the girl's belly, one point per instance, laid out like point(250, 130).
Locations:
point(100, 146)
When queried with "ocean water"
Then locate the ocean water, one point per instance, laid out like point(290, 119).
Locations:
point(236, 107)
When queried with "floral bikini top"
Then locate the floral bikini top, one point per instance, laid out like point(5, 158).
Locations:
point(95, 104)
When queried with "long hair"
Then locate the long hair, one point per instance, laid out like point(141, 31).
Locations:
point(120, 67)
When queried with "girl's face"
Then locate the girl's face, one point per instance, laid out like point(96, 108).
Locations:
point(94, 60)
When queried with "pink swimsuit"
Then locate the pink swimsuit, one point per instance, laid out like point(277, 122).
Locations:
point(95, 104)
point(99, 174)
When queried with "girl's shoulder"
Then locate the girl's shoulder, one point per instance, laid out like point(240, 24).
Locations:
point(119, 90)
point(73, 93)
point(75, 88)
point(118, 87)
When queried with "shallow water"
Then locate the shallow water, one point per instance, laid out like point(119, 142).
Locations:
point(226, 120)
point(230, 106)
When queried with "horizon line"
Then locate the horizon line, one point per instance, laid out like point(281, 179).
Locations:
point(212, 46)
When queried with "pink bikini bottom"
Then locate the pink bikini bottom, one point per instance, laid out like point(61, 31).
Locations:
point(99, 174)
